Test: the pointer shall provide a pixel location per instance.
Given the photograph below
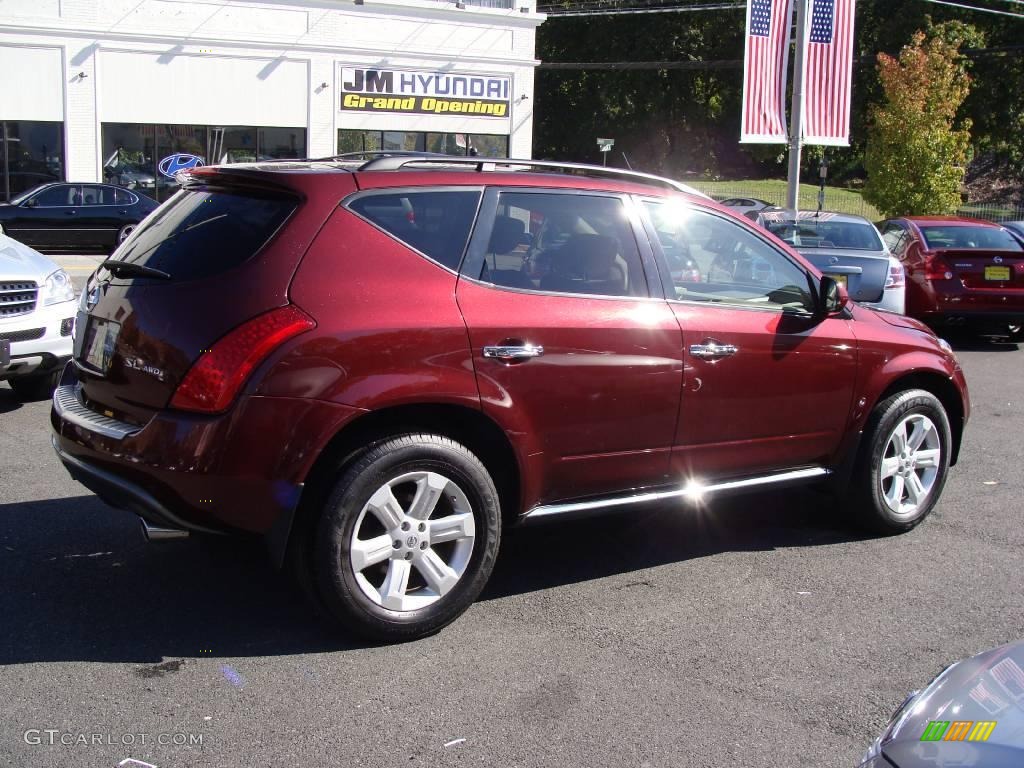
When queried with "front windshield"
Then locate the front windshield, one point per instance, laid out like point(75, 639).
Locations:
point(970, 237)
point(813, 233)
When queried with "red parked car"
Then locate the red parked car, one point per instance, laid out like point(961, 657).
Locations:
point(364, 365)
point(960, 272)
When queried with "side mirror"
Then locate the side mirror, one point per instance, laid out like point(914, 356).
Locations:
point(834, 297)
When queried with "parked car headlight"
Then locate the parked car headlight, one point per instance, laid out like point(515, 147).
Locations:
point(57, 288)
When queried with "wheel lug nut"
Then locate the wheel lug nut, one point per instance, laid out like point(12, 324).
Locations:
point(397, 544)
point(423, 545)
point(405, 526)
point(423, 527)
point(408, 555)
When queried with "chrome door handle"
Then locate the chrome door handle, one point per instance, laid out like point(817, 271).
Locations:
point(513, 352)
point(712, 350)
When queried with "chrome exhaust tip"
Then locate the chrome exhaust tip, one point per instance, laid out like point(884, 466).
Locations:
point(156, 533)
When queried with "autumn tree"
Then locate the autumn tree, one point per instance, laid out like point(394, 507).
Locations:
point(916, 151)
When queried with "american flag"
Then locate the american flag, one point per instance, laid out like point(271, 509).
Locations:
point(828, 65)
point(764, 71)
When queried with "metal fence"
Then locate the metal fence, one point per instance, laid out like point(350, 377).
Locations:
point(847, 202)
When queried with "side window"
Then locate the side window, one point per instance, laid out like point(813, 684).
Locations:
point(712, 259)
point(94, 196)
point(894, 238)
point(123, 197)
point(435, 223)
point(563, 243)
point(63, 194)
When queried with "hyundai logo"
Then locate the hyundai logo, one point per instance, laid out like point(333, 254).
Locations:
point(92, 298)
point(172, 164)
point(997, 259)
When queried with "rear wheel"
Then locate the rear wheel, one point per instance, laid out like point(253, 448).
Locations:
point(903, 463)
point(125, 232)
point(38, 386)
point(408, 538)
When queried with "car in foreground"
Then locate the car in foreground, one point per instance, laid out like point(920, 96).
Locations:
point(960, 272)
point(67, 216)
point(970, 714)
point(378, 365)
point(37, 312)
point(846, 247)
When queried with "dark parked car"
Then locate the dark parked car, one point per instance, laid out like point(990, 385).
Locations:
point(374, 374)
point(65, 216)
point(960, 272)
point(970, 714)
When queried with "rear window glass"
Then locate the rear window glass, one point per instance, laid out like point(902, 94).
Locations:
point(437, 224)
point(198, 234)
point(969, 237)
point(808, 233)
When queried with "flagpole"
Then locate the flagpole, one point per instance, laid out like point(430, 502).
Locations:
point(796, 118)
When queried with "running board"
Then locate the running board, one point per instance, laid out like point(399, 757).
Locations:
point(693, 492)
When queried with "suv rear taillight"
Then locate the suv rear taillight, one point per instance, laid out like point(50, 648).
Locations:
point(213, 381)
point(935, 268)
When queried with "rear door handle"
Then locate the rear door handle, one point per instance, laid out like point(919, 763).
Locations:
point(709, 349)
point(508, 353)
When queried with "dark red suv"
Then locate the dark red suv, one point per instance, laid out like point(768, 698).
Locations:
point(377, 366)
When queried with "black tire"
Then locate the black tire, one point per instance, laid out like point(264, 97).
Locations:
point(38, 386)
point(866, 498)
point(341, 594)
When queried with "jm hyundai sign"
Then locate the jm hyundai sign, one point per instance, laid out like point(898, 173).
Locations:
point(422, 92)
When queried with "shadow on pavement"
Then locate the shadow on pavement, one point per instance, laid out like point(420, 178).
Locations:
point(8, 402)
point(82, 585)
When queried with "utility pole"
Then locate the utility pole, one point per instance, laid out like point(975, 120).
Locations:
point(796, 123)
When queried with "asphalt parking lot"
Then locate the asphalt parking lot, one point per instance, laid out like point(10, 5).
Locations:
point(759, 631)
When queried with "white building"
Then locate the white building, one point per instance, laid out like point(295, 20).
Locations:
point(94, 90)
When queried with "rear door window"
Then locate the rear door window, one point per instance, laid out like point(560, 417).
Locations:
point(434, 222)
point(200, 233)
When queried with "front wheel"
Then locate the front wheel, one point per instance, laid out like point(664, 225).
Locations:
point(408, 538)
point(903, 463)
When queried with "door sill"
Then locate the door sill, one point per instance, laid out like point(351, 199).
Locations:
point(692, 492)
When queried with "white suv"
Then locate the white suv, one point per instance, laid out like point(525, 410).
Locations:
point(37, 315)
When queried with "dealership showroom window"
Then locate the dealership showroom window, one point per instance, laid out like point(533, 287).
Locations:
point(128, 92)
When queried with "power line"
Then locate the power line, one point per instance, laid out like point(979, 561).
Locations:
point(976, 8)
point(595, 11)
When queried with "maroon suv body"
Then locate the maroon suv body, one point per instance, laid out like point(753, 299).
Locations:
point(375, 368)
point(959, 271)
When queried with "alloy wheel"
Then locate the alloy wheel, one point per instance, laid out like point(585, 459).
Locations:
point(910, 464)
point(412, 541)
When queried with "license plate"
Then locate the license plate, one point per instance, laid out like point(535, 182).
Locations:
point(5, 352)
point(98, 343)
point(997, 273)
point(841, 279)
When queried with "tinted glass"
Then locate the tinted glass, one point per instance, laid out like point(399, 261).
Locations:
point(732, 265)
point(813, 233)
point(61, 194)
point(93, 195)
point(31, 153)
point(123, 197)
point(198, 234)
point(970, 237)
point(436, 224)
point(563, 243)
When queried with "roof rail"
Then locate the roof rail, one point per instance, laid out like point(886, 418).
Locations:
point(394, 162)
point(373, 154)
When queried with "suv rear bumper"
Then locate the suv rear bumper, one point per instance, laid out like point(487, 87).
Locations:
point(241, 471)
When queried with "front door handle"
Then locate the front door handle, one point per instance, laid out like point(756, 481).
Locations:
point(511, 352)
point(710, 349)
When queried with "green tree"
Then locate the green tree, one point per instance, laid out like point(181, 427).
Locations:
point(916, 153)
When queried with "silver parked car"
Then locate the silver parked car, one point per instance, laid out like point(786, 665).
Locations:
point(847, 248)
point(972, 713)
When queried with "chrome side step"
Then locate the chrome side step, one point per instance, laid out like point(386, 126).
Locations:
point(693, 492)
